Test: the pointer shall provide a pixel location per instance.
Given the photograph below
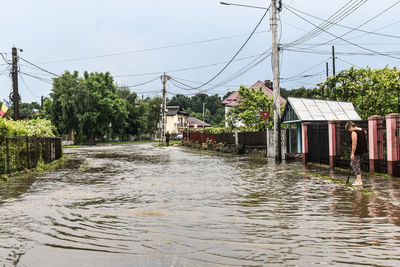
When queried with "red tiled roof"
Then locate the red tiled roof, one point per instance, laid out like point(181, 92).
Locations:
point(233, 99)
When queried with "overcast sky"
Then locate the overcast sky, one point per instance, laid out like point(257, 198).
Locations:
point(138, 40)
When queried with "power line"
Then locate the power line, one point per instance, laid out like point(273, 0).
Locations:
point(139, 84)
point(351, 28)
point(185, 69)
point(338, 37)
point(237, 74)
point(177, 78)
point(338, 16)
point(27, 87)
point(324, 52)
point(148, 49)
point(38, 78)
point(351, 64)
point(1, 73)
point(39, 67)
point(237, 53)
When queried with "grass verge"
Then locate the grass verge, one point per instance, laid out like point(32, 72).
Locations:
point(40, 168)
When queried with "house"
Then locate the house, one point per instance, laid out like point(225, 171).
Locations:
point(176, 119)
point(233, 99)
point(194, 123)
point(301, 110)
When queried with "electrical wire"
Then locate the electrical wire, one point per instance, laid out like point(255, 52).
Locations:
point(38, 78)
point(49, 72)
point(147, 50)
point(5, 59)
point(338, 16)
point(237, 53)
point(27, 87)
point(351, 64)
point(314, 66)
point(182, 79)
point(382, 28)
point(1, 73)
point(185, 69)
point(351, 28)
point(139, 84)
point(239, 73)
point(338, 37)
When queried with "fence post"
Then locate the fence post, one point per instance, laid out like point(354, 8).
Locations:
point(7, 158)
point(333, 130)
point(266, 142)
point(305, 142)
point(27, 152)
point(392, 138)
point(375, 144)
point(236, 138)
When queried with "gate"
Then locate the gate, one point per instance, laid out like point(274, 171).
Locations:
point(397, 163)
point(382, 146)
point(318, 143)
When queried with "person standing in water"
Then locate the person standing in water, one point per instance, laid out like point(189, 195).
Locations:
point(358, 149)
point(167, 136)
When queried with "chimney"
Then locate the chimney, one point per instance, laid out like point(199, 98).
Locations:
point(269, 84)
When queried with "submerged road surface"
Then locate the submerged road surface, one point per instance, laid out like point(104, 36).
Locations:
point(140, 205)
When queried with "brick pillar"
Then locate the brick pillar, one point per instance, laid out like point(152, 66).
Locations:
point(375, 142)
point(334, 142)
point(304, 142)
point(392, 143)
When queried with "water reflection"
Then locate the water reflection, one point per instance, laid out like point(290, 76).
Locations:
point(139, 205)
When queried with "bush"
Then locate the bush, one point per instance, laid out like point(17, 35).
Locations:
point(36, 127)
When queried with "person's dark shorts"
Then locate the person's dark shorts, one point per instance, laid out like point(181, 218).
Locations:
point(356, 164)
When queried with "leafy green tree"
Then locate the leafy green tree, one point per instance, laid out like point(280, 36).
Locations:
point(251, 102)
point(214, 111)
point(372, 91)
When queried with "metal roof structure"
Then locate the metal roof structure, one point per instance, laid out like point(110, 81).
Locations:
point(304, 109)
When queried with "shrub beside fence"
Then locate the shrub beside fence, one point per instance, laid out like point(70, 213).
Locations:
point(24, 152)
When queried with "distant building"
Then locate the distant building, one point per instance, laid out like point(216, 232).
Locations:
point(194, 123)
point(176, 119)
point(233, 99)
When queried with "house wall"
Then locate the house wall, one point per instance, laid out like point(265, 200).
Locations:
point(175, 122)
point(238, 123)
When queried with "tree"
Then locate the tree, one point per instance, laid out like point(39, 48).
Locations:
point(372, 91)
point(213, 109)
point(251, 102)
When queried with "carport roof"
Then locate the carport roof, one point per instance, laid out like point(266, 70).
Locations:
point(304, 109)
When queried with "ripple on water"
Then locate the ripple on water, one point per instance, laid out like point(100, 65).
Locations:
point(138, 205)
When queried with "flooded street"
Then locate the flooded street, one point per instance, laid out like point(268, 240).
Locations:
point(140, 205)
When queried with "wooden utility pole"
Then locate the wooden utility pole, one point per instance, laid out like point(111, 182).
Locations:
point(203, 117)
point(14, 75)
point(327, 71)
point(164, 108)
point(333, 60)
point(277, 100)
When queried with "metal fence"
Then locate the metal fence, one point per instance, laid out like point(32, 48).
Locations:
point(253, 139)
point(318, 142)
point(24, 152)
point(382, 146)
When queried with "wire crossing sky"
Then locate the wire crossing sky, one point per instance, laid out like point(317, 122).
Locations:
point(136, 41)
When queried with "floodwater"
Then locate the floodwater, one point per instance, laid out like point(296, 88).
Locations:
point(140, 205)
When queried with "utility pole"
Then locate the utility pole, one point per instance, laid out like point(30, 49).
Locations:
point(275, 64)
point(327, 71)
point(41, 103)
point(14, 74)
point(164, 108)
point(333, 60)
point(203, 117)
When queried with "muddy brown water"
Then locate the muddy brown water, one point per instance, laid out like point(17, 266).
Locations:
point(140, 205)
